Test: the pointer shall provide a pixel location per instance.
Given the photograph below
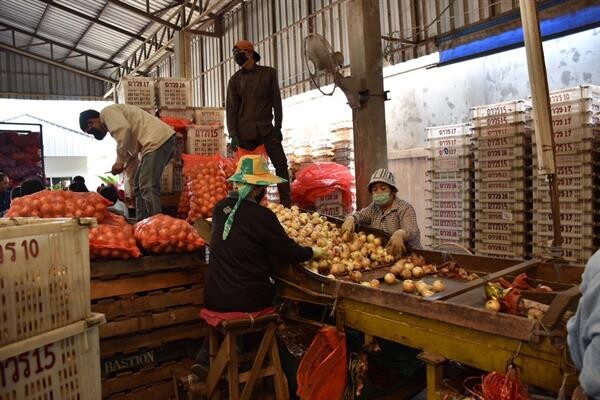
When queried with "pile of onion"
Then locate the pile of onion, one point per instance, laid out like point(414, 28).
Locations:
point(113, 242)
point(164, 234)
point(206, 184)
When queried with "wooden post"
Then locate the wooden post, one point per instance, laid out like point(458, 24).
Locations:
point(182, 51)
point(366, 61)
point(541, 111)
point(435, 373)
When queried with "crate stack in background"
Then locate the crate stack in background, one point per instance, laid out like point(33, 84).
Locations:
point(137, 91)
point(502, 150)
point(576, 127)
point(449, 178)
point(49, 338)
point(342, 142)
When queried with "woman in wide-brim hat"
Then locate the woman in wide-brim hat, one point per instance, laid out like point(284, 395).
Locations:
point(388, 213)
point(245, 235)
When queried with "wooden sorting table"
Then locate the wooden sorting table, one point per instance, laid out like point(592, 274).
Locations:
point(153, 326)
point(454, 325)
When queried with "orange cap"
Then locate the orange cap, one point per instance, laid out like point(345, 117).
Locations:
point(245, 45)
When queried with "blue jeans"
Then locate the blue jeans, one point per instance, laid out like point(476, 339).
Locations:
point(147, 180)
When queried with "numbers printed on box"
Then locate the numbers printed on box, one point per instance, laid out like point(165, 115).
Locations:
point(11, 252)
point(36, 361)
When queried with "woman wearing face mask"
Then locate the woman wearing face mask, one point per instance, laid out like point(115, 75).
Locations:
point(387, 213)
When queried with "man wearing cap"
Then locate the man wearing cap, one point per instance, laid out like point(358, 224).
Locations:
point(252, 98)
point(244, 237)
point(388, 213)
point(136, 133)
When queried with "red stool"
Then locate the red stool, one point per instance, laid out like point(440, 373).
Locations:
point(224, 353)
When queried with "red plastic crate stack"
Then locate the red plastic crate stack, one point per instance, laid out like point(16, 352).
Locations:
point(449, 178)
point(576, 128)
point(502, 151)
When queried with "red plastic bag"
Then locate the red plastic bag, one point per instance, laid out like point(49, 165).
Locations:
point(323, 371)
point(206, 183)
point(114, 239)
point(322, 179)
point(164, 234)
point(60, 204)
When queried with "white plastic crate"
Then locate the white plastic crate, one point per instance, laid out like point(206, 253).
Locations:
point(511, 238)
point(501, 153)
point(60, 364)
point(449, 163)
point(566, 218)
point(567, 160)
point(576, 231)
point(569, 195)
point(454, 185)
point(504, 185)
point(507, 107)
point(450, 151)
point(446, 131)
point(542, 201)
point(510, 130)
point(449, 234)
point(500, 142)
point(568, 135)
point(452, 195)
point(499, 227)
point(450, 224)
point(572, 121)
point(511, 174)
point(575, 93)
point(498, 250)
point(449, 205)
point(500, 216)
point(453, 141)
point(211, 116)
point(572, 256)
point(333, 210)
point(574, 107)
point(166, 179)
point(44, 275)
point(498, 165)
point(174, 92)
point(586, 146)
point(566, 182)
point(543, 240)
point(342, 134)
point(444, 176)
point(333, 198)
point(500, 195)
point(186, 113)
point(205, 140)
point(449, 214)
point(501, 120)
point(137, 91)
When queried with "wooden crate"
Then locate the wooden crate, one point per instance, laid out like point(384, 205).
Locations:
point(152, 307)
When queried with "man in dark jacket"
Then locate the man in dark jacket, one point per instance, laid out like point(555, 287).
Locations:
point(252, 98)
point(244, 237)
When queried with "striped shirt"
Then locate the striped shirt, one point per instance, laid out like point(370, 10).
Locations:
point(401, 215)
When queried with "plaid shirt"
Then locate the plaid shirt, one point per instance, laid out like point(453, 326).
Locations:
point(401, 215)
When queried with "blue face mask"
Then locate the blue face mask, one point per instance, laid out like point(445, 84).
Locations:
point(381, 198)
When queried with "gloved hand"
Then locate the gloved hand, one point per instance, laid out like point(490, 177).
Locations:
point(277, 134)
point(348, 225)
point(235, 142)
point(318, 252)
point(396, 245)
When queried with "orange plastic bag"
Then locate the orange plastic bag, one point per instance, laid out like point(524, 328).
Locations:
point(323, 372)
point(60, 204)
point(321, 179)
point(183, 207)
point(113, 240)
point(206, 183)
point(161, 234)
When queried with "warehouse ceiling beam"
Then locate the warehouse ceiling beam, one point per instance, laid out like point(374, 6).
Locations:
point(86, 31)
point(54, 43)
point(95, 20)
point(49, 61)
point(150, 16)
point(37, 27)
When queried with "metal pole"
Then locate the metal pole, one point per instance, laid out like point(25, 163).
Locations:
point(541, 112)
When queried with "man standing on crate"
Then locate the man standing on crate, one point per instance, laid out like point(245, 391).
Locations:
point(136, 133)
point(252, 98)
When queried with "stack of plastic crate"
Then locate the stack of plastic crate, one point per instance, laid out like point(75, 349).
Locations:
point(502, 137)
point(576, 127)
point(449, 179)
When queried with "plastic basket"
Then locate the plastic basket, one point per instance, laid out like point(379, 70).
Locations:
point(186, 113)
point(573, 256)
point(499, 165)
point(566, 182)
point(449, 163)
point(565, 230)
point(501, 120)
point(447, 176)
point(501, 153)
point(500, 250)
point(174, 92)
point(452, 195)
point(507, 107)
point(566, 218)
point(443, 223)
point(511, 174)
point(45, 275)
point(489, 185)
point(499, 195)
point(500, 216)
point(137, 91)
point(450, 151)
point(205, 140)
point(575, 147)
point(449, 234)
point(575, 93)
point(499, 142)
point(333, 210)
point(333, 198)
point(449, 205)
point(574, 107)
point(449, 214)
point(444, 131)
point(510, 130)
point(575, 243)
point(570, 135)
point(454, 141)
point(543, 202)
point(212, 116)
point(499, 227)
point(569, 195)
point(572, 121)
point(500, 237)
point(450, 185)
point(496, 205)
point(61, 364)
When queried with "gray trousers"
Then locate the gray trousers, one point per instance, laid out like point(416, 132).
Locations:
point(147, 180)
